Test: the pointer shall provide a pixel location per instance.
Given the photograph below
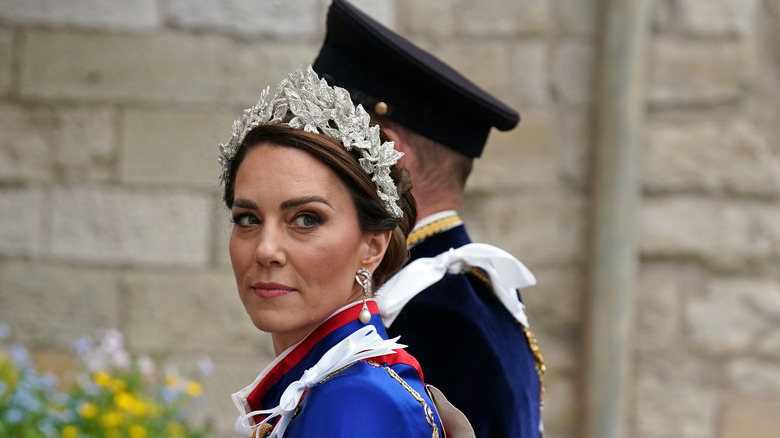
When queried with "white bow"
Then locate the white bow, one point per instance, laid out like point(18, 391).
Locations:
point(361, 344)
point(507, 274)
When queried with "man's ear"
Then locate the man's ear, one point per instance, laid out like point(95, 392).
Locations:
point(376, 243)
point(409, 160)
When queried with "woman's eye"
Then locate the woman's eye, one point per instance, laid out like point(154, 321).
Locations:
point(245, 220)
point(306, 220)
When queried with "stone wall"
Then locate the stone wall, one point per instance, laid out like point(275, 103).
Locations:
point(110, 113)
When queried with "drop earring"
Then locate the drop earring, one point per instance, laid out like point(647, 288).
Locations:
point(363, 278)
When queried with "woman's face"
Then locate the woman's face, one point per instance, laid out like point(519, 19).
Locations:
point(296, 243)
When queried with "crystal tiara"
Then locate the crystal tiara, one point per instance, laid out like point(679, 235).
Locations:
point(318, 107)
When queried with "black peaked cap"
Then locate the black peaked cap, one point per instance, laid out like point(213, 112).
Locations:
point(391, 76)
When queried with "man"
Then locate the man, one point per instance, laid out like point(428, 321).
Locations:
point(458, 309)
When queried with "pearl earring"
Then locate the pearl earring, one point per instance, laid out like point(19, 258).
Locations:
point(363, 278)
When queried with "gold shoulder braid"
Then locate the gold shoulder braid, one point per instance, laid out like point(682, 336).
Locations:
point(265, 430)
point(432, 228)
point(532, 343)
point(427, 409)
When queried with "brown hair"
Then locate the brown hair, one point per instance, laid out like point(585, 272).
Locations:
point(371, 213)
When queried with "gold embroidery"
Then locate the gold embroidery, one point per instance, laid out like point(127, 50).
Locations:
point(427, 409)
point(540, 366)
point(431, 229)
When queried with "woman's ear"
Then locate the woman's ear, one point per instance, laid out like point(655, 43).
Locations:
point(376, 243)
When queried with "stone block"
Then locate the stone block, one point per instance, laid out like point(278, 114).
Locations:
point(85, 143)
point(578, 17)
point(51, 306)
point(484, 63)
point(253, 66)
point(500, 17)
point(100, 14)
point(124, 67)
point(560, 407)
point(522, 158)
point(685, 73)
point(415, 17)
point(731, 315)
point(753, 417)
point(6, 55)
point(187, 312)
point(21, 221)
point(725, 235)
point(574, 135)
point(671, 410)
point(707, 156)
point(543, 229)
point(116, 226)
point(754, 377)
point(383, 11)
point(659, 310)
point(718, 18)
point(557, 303)
point(172, 147)
point(277, 19)
point(528, 78)
point(769, 345)
point(572, 72)
point(26, 143)
point(222, 238)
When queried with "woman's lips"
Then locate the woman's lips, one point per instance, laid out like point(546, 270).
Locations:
point(271, 290)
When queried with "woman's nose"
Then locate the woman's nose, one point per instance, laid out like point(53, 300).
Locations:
point(270, 248)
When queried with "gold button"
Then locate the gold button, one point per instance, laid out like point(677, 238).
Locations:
point(380, 108)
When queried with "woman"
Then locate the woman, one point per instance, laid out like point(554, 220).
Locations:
point(321, 214)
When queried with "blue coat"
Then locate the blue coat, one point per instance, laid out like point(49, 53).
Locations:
point(378, 397)
point(471, 348)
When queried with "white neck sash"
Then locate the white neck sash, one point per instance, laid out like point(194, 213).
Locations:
point(506, 273)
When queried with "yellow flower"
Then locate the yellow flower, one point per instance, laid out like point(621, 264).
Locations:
point(111, 419)
point(193, 388)
point(174, 428)
point(88, 410)
point(70, 432)
point(139, 408)
point(102, 378)
point(171, 381)
point(124, 401)
point(117, 385)
point(137, 431)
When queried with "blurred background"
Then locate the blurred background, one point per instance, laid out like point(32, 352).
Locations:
point(110, 212)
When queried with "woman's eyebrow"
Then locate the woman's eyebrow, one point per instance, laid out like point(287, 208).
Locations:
point(297, 202)
point(245, 203)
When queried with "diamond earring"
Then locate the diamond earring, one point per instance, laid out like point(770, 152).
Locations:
point(363, 278)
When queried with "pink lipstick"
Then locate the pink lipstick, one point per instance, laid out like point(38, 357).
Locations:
point(271, 290)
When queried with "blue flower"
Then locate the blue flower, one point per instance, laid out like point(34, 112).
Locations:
point(19, 354)
point(14, 415)
point(5, 331)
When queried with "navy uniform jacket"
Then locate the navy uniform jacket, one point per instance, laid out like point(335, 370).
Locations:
point(378, 397)
point(472, 349)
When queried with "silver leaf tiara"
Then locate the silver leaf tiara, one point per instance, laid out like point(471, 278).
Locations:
point(318, 107)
